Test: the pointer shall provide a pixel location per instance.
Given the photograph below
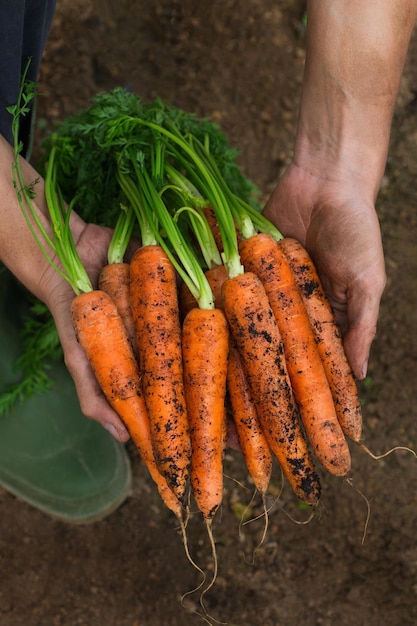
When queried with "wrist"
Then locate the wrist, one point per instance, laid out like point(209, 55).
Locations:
point(355, 53)
point(341, 155)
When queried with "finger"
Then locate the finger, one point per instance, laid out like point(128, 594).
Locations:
point(362, 316)
point(93, 404)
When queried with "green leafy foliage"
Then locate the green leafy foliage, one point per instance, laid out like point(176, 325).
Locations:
point(87, 143)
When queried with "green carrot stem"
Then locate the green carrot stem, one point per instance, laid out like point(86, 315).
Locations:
point(65, 247)
point(262, 223)
point(134, 196)
point(246, 216)
point(121, 234)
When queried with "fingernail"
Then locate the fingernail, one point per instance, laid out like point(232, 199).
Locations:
point(113, 431)
point(364, 369)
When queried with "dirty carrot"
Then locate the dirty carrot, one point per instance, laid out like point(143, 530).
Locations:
point(252, 440)
point(207, 326)
point(114, 278)
point(256, 335)
point(205, 351)
point(205, 340)
point(205, 354)
point(261, 255)
point(155, 309)
point(154, 302)
point(328, 338)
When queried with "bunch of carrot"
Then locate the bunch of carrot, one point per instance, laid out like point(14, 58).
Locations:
point(249, 334)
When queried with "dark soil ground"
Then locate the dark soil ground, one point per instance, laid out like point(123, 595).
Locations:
point(241, 63)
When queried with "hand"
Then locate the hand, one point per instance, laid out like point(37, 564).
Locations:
point(92, 243)
point(22, 255)
point(327, 197)
point(340, 229)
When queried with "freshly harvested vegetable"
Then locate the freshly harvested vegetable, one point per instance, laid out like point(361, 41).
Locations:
point(205, 343)
point(205, 355)
point(261, 255)
point(328, 338)
point(205, 352)
point(155, 309)
point(256, 335)
point(252, 440)
point(114, 278)
point(251, 436)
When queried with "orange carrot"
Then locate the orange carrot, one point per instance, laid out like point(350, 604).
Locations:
point(114, 279)
point(158, 334)
point(103, 337)
point(261, 255)
point(205, 352)
point(252, 440)
point(253, 443)
point(328, 338)
point(257, 338)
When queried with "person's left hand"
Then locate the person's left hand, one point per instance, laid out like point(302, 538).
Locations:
point(92, 243)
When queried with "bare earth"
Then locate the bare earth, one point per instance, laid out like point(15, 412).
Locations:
point(239, 62)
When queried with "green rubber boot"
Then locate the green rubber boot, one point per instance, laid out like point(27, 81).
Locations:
point(51, 456)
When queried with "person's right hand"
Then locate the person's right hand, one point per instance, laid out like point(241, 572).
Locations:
point(339, 227)
point(327, 197)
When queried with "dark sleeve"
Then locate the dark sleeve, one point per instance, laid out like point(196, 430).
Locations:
point(24, 27)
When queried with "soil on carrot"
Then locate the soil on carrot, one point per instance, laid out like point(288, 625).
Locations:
point(241, 63)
